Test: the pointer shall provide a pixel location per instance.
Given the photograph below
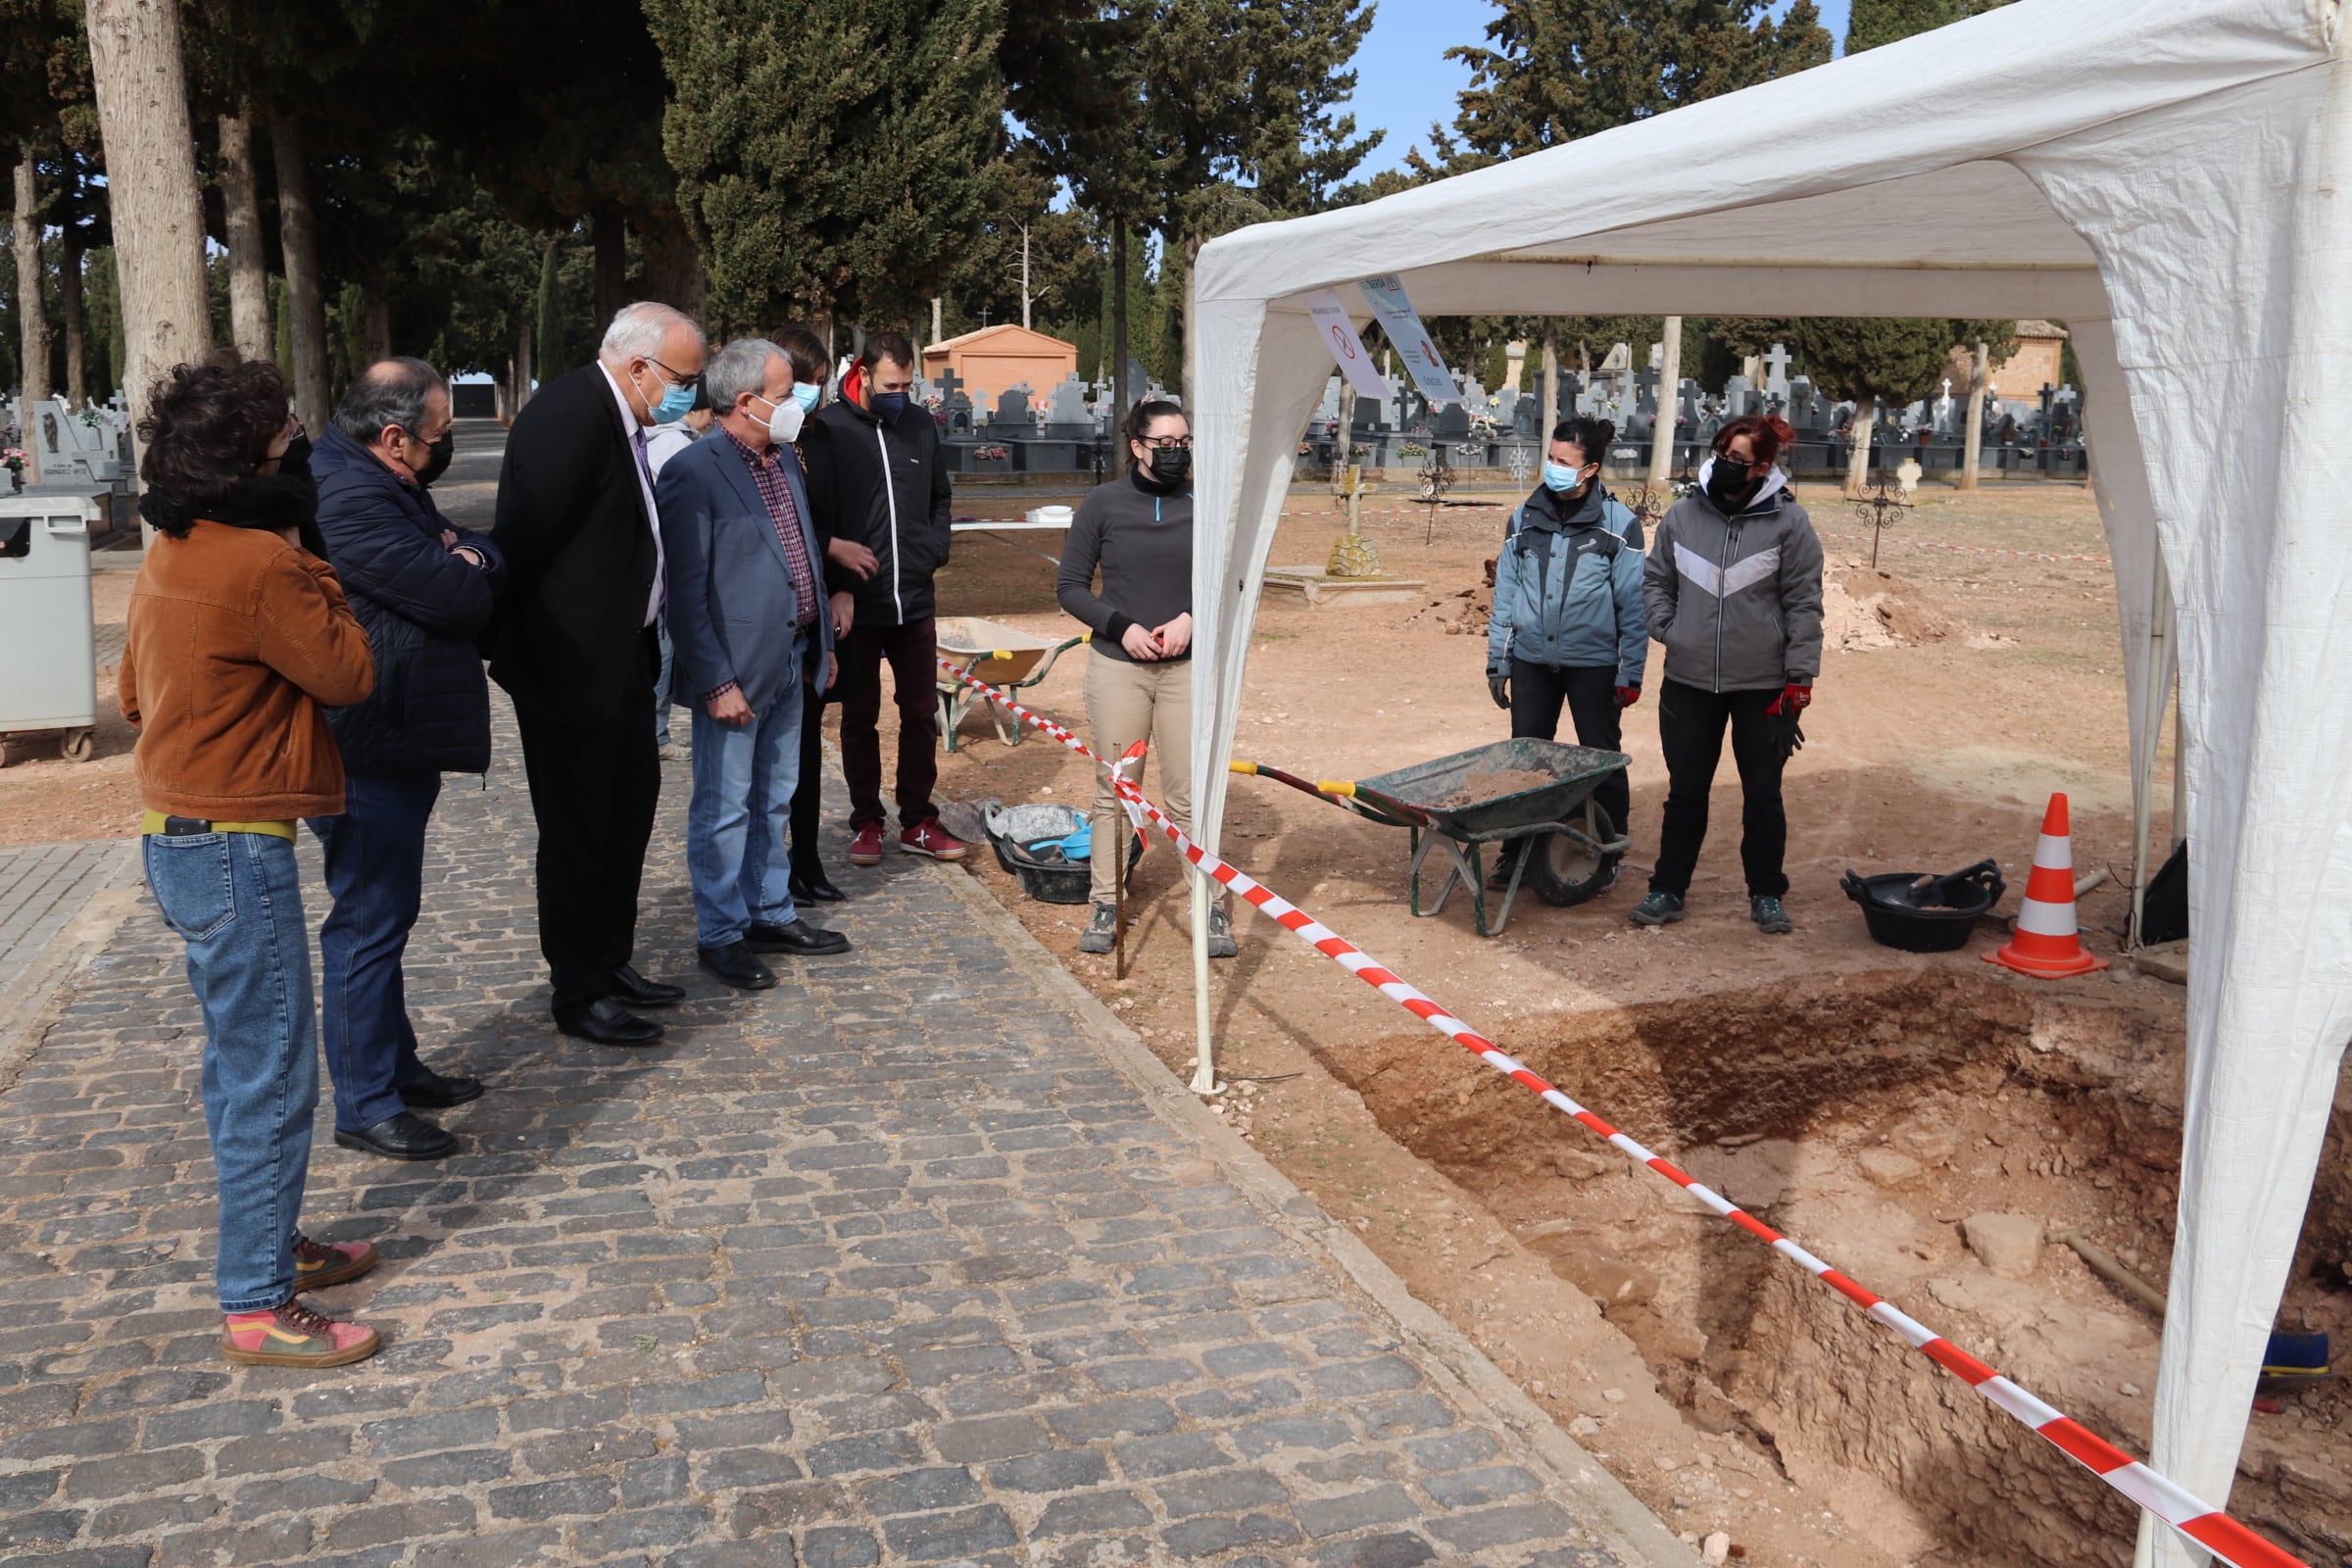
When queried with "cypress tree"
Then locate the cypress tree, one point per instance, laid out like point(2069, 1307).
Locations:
point(1876, 22)
point(552, 351)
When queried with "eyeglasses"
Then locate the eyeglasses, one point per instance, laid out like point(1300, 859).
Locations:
point(670, 376)
point(1730, 461)
point(1166, 443)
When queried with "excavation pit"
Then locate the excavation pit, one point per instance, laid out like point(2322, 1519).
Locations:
point(1923, 1132)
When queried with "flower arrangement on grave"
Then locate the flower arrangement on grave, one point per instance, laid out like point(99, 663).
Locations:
point(1481, 426)
point(1413, 449)
point(90, 418)
point(13, 458)
point(990, 453)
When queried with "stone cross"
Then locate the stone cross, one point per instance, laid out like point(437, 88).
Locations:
point(1068, 405)
point(1776, 372)
point(1645, 389)
point(1738, 397)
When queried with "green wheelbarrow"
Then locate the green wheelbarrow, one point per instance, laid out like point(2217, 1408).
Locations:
point(1491, 795)
point(1004, 656)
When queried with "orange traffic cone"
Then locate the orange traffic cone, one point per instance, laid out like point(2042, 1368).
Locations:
point(2046, 944)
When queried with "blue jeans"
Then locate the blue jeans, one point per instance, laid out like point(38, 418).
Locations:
point(235, 900)
point(376, 874)
point(744, 776)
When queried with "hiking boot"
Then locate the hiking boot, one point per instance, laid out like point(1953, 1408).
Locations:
point(1769, 917)
point(865, 844)
point(1220, 935)
point(1659, 908)
point(927, 837)
point(292, 1335)
point(1103, 931)
point(319, 1264)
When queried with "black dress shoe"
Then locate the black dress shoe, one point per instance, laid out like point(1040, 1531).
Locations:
point(400, 1137)
point(799, 938)
point(816, 888)
point(433, 1091)
point(634, 989)
point(608, 1023)
point(734, 965)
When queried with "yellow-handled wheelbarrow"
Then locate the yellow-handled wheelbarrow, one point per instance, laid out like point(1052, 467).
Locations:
point(1001, 655)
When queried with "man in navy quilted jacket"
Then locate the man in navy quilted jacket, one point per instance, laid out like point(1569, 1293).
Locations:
point(423, 590)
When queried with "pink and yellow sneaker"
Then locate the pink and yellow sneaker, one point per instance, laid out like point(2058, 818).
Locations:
point(292, 1335)
point(319, 1264)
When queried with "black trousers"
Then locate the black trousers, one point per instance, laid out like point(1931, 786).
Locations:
point(1691, 725)
point(1590, 692)
point(912, 651)
point(808, 794)
point(593, 791)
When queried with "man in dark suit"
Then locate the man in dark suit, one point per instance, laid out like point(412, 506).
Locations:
point(749, 623)
point(575, 645)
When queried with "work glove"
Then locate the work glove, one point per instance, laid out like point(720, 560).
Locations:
point(1793, 700)
point(1788, 737)
point(1628, 696)
point(1498, 687)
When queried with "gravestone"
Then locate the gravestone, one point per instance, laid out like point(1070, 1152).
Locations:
point(1451, 422)
point(1066, 416)
point(1506, 409)
point(955, 404)
point(1645, 391)
point(1013, 409)
point(1738, 398)
point(1526, 417)
point(1776, 373)
point(1474, 394)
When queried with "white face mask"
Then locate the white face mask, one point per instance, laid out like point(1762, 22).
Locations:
point(784, 420)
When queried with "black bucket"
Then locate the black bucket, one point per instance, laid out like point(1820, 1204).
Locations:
point(1935, 917)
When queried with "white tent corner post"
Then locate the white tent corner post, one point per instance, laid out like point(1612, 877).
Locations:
point(1204, 1060)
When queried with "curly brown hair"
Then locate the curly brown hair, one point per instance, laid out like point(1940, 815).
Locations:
point(209, 424)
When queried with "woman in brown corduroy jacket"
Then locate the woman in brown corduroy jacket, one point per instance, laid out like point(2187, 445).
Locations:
point(238, 637)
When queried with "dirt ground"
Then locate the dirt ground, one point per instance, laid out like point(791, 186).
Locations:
point(1867, 1101)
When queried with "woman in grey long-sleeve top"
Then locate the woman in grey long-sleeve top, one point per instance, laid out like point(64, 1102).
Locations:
point(1137, 531)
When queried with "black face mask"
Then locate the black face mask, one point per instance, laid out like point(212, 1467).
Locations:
point(437, 456)
point(1171, 464)
point(297, 460)
point(1729, 487)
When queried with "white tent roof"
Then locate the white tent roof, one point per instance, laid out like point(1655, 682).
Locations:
point(2164, 180)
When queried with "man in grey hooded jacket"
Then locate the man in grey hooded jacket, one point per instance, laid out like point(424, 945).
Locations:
point(1733, 589)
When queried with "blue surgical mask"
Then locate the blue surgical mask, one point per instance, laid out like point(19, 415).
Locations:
point(887, 406)
point(1561, 477)
point(808, 394)
point(676, 402)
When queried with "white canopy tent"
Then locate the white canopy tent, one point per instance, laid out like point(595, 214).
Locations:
point(2164, 179)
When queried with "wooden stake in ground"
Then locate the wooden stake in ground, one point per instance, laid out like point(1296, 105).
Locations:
point(305, 292)
point(32, 326)
point(142, 95)
point(248, 260)
point(1979, 374)
point(1670, 380)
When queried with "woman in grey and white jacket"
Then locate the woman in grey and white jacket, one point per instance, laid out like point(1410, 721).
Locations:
point(1733, 589)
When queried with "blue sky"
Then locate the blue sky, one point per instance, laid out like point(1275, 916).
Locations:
point(1403, 81)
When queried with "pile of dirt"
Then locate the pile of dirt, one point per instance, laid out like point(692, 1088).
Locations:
point(1864, 608)
point(1460, 615)
point(1492, 784)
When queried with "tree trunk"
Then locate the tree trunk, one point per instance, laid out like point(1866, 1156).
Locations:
point(142, 97)
point(1024, 276)
point(611, 288)
point(1857, 467)
point(1670, 380)
point(77, 338)
point(1974, 451)
point(1190, 366)
point(33, 309)
point(248, 258)
point(522, 367)
point(675, 274)
point(1120, 390)
point(306, 296)
point(376, 312)
point(936, 303)
point(1550, 390)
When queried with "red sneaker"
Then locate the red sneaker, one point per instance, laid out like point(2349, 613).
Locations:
point(292, 1335)
point(319, 1264)
point(929, 838)
point(866, 845)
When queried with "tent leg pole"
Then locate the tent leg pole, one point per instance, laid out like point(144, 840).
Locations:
point(2143, 781)
point(1204, 1068)
point(2179, 762)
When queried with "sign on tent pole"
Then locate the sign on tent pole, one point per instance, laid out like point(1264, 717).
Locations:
point(1386, 295)
point(1346, 346)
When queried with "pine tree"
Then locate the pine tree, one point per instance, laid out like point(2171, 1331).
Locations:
point(831, 162)
point(1876, 22)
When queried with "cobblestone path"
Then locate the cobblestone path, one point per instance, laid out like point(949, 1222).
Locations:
point(914, 1259)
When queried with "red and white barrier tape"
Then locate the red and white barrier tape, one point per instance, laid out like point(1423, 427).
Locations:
point(2207, 1526)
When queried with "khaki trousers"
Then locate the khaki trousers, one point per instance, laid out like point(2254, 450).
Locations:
point(1126, 703)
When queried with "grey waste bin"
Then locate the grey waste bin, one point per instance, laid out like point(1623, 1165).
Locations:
point(48, 649)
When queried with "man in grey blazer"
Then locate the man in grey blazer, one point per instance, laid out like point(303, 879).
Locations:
point(753, 639)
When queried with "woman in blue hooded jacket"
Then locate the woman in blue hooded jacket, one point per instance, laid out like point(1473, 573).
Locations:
point(1568, 627)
